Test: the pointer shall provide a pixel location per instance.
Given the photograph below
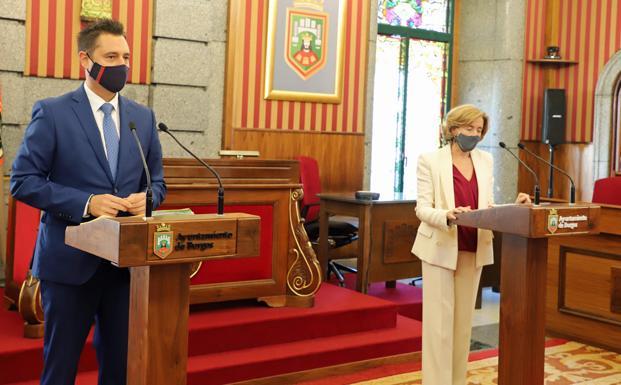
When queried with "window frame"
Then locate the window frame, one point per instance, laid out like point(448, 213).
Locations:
point(406, 33)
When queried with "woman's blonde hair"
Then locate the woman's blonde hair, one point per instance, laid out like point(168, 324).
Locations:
point(461, 116)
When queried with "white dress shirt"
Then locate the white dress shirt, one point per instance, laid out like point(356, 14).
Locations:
point(96, 102)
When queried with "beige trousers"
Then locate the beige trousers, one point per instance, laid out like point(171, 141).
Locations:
point(448, 306)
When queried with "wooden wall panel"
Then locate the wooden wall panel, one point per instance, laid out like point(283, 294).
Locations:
point(578, 294)
point(576, 159)
point(340, 157)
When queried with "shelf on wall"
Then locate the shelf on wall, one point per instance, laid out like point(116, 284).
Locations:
point(552, 61)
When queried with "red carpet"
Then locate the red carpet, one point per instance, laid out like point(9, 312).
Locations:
point(242, 340)
point(408, 298)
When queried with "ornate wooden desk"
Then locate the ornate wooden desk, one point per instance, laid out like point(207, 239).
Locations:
point(286, 271)
point(386, 231)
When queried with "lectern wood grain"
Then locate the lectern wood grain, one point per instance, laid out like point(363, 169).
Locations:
point(522, 314)
point(160, 284)
point(526, 230)
point(128, 241)
point(615, 295)
point(158, 333)
point(534, 221)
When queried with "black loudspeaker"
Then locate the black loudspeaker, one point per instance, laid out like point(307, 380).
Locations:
point(553, 116)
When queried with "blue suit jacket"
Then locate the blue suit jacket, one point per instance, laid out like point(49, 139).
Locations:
point(62, 161)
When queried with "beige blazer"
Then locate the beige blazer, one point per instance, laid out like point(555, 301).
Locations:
point(436, 242)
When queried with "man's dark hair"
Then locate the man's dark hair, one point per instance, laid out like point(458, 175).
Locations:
point(87, 37)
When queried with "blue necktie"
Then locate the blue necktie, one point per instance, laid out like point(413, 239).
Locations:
point(111, 138)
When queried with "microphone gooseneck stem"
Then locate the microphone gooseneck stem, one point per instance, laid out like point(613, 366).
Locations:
point(149, 192)
point(537, 188)
point(220, 200)
point(572, 189)
point(164, 128)
point(149, 208)
point(551, 177)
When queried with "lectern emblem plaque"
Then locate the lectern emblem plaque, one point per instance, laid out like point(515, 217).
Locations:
point(162, 241)
point(553, 221)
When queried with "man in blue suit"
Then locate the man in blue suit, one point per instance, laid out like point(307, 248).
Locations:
point(79, 161)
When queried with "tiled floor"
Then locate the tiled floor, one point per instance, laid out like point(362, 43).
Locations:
point(490, 309)
point(485, 320)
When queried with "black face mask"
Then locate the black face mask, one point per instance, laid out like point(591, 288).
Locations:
point(466, 143)
point(112, 78)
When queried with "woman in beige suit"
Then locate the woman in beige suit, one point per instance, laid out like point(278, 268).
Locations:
point(454, 179)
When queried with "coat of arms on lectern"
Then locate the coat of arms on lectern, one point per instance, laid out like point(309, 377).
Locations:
point(552, 221)
point(162, 240)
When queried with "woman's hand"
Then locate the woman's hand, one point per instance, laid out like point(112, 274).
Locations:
point(450, 215)
point(522, 198)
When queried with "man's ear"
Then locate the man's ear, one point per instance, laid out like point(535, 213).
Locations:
point(84, 61)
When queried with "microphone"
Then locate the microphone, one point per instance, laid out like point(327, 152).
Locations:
point(164, 128)
point(537, 189)
point(572, 190)
point(149, 193)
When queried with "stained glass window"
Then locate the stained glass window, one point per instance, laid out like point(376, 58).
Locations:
point(418, 14)
point(411, 88)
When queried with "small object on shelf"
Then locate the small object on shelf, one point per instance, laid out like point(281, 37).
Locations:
point(554, 53)
point(239, 154)
point(367, 195)
point(184, 211)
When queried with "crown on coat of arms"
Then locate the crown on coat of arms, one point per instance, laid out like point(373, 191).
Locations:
point(163, 227)
point(311, 4)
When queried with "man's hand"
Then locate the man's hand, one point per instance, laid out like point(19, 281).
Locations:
point(106, 204)
point(138, 203)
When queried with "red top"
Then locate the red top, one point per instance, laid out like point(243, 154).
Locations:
point(466, 194)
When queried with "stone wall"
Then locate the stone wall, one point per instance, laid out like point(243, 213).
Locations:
point(189, 45)
point(491, 52)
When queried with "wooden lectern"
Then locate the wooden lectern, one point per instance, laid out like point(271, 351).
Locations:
point(526, 229)
point(158, 252)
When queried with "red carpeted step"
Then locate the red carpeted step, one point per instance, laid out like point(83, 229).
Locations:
point(408, 298)
point(231, 366)
point(272, 360)
point(83, 378)
point(232, 326)
point(224, 326)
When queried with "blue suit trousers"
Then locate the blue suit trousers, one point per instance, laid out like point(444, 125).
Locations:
point(71, 310)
